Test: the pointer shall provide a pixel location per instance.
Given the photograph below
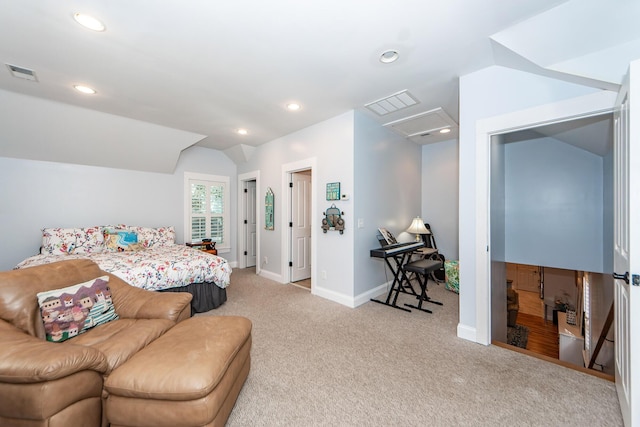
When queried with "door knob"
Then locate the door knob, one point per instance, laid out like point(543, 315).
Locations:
point(624, 277)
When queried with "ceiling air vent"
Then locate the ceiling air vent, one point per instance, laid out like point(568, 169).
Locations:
point(422, 124)
point(391, 104)
point(22, 73)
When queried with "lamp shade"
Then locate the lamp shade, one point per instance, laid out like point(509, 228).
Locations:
point(417, 227)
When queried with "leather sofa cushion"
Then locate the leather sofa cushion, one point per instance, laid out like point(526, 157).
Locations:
point(18, 301)
point(201, 350)
point(41, 400)
point(27, 359)
point(120, 339)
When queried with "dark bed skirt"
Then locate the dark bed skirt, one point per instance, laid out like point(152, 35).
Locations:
point(206, 296)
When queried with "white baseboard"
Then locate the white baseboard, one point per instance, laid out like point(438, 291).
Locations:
point(333, 296)
point(375, 292)
point(350, 302)
point(466, 332)
point(271, 276)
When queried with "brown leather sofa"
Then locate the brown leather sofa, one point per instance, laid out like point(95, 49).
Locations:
point(61, 384)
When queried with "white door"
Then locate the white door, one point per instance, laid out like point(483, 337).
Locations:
point(626, 252)
point(250, 221)
point(301, 226)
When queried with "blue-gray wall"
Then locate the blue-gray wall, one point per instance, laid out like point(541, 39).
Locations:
point(553, 205)
point(440, 194)
point(38, 195)
point(387, 174)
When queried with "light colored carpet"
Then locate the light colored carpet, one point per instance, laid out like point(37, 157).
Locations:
point(318, 363)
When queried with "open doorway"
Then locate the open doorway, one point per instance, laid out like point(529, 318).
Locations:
point(248, 220)
point(550, 205)
point(561, 315)
point(298, 254)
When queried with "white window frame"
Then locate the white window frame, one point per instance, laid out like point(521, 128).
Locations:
point(189, 177)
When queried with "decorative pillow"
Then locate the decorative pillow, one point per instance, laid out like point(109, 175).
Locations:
point(62, 241)
point(120, 241)
point(73, 310)
point(452, 272)
point(160, 236)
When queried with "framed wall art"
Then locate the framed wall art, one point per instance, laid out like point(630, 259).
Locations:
point(268, 209)
point(333, 191)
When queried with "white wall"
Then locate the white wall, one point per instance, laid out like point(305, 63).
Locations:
point(387, 194)
point(330, 144)
point(440, 194)
point(554, 211)
point(487, 93)
point(378, 169)
point(38, 194)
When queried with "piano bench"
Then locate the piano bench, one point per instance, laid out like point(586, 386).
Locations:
point(423, 268)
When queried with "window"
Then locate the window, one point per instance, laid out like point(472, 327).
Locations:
point(207, 209)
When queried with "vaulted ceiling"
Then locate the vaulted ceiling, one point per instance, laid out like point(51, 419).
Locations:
point(212, 68)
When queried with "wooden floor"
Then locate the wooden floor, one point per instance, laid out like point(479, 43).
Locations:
point(306, 283)
point(543, 336)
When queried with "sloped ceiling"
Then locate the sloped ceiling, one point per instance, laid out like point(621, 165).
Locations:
point(210, 68)
point(593, 134)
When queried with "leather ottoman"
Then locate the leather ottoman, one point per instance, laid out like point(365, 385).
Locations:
point(190, 376)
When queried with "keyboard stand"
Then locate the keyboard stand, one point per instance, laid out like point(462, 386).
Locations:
point(400, 281)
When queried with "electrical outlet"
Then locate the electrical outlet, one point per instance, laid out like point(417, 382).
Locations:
point(266, 260)
point(323, 275)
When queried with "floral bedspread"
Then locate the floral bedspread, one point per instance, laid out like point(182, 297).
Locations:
point(155, 268)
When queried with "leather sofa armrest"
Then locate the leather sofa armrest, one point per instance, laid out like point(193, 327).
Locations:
point(134, 303)
point(28, 359)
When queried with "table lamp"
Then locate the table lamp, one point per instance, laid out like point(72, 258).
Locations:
point(417, 227)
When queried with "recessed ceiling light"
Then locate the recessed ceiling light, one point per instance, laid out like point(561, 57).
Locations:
point(445, 130)
point(84, 89)
point(89, 22)
point(389, 56)
point(243, 131)
point(293, 106)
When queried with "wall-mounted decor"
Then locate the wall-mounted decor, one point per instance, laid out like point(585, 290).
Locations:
point(268, 209)
point(333, 191)
point(333, 220)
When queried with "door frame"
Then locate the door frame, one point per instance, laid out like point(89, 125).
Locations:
point(296, 199)
point(285, 216)
point(242, 240)
point(585, 106)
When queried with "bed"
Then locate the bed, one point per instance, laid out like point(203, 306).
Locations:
point(144, 257)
